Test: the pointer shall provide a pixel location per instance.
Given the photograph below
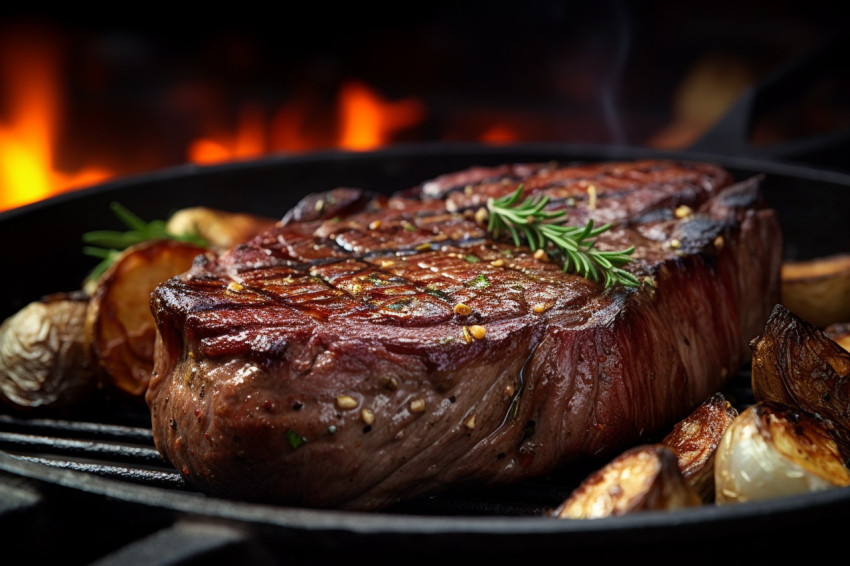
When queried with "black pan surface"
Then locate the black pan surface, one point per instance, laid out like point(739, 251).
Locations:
point(43, 255)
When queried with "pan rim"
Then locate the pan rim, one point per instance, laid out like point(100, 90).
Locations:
point(775, 511)
point(597, 151)
point(720, 518)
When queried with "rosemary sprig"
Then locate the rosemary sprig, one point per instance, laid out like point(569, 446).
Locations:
point(107, 244)
point(528, 221)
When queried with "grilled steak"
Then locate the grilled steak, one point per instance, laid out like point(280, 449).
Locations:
point(325, 363)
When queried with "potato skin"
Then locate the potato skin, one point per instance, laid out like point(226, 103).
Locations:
point(119, 325)
point(45, 365)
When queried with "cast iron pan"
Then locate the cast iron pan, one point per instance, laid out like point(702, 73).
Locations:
point(43, 255)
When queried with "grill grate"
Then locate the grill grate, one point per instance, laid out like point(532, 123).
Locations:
point(121, 452)
point(150, 512)
point(126, 452)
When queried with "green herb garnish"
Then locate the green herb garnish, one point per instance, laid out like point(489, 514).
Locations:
point(540, 229)
point(480, 282)
point(107, 244)
point(295, 439)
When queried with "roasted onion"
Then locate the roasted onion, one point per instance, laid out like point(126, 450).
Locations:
point(773, 451)
point(694, 440)
point(839, 333)
point(644, 478)
point(818, 290)
point(220, 228)
point(796, 365)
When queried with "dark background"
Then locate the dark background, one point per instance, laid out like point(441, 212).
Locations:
point(137, 88)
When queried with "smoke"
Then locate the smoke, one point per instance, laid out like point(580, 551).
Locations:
point(610, 91)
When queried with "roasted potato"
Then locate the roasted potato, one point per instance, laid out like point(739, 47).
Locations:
point(220, 228)
point(796, 365)
point(818, 290)
point(772, 451)
point(694, 440)
point(119, 325)
point(44, 363)
point(643, 478)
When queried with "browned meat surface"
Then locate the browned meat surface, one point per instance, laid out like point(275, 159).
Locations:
point(324, 364)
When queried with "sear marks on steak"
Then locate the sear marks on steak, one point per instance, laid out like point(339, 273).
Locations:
point(323, 363)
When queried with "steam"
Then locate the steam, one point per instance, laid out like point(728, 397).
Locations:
point(611, 84)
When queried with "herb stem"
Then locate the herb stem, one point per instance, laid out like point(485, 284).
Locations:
point(529, 222)
point(107, 244)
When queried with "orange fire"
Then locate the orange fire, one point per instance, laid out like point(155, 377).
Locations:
point(32, 115)
point(33, 112)
point(364, 121)
point(27, 172)
point(367, 121)
point(247, 142)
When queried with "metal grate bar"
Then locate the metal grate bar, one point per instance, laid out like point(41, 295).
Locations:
point(145, 476)
point(84, 448)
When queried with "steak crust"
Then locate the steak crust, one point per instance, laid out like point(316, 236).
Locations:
point(323, 363)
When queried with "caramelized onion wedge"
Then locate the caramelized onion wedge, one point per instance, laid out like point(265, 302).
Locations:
point(644, 478)
point(773, 451)
point(44, 363)
point(795, 364)
point(119, 325)
point(694, 440)
point(818, 290)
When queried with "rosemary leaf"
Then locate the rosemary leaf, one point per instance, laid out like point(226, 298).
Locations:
point(107, 244)
point(529, 222)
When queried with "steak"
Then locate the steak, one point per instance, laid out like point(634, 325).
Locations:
point(326, 362)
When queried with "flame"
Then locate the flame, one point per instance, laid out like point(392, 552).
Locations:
point(248, 141)
point(367, 121)
point(33, 112)
point(364, 119)
point(29, 67)
point(297, 125)
point(500, 134)
point(32, 95)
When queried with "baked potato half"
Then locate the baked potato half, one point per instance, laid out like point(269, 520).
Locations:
point(119, 326)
